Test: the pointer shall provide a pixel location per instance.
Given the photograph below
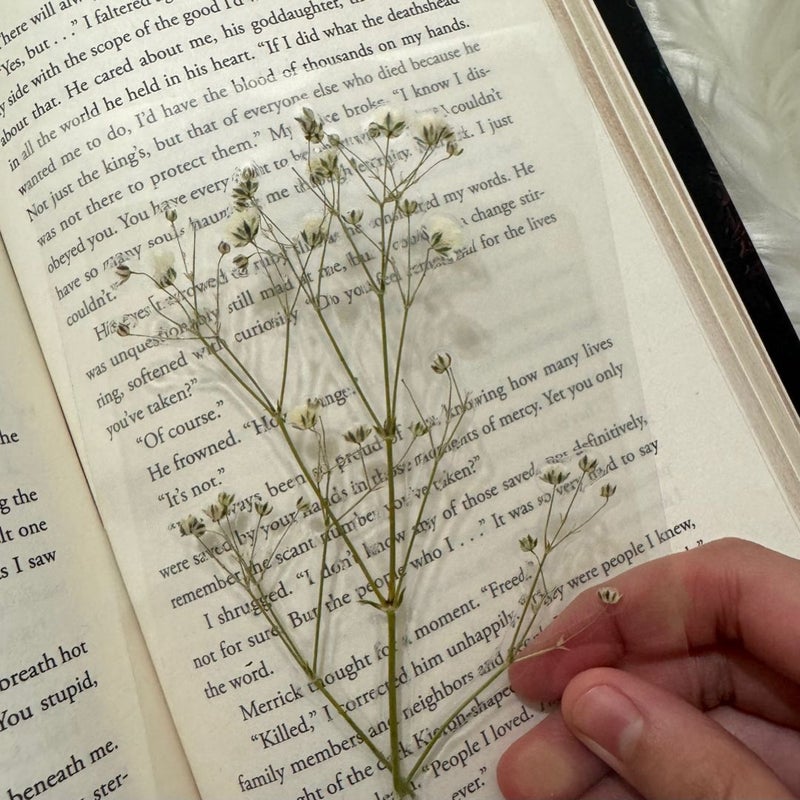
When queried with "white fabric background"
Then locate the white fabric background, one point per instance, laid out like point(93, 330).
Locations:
point(737, 64)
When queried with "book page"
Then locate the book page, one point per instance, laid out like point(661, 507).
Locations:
point(80, 712)
point(563, 315)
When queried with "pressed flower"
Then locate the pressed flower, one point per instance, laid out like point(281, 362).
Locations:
point(609, 595)
point(225, 500)
point(418, 429)
point(323, 167)
point(263, 509)
point(304, 417)
point(240, 262)
point(367, 473)
point(313, 233)
point(215, 512)
point(245, 188)
point(443, 232)
point(311, 125)
point(431, 130)
point(243, 226)
point(358, 435)
point(354, 216)
point(388, 122)
point(408, 206)
point(123, 272)
point(163, 267)
point(191, 526)
point(553, 475)
point(441, 363)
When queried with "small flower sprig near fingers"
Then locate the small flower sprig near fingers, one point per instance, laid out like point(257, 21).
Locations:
point(555, 533)
point(569, 495)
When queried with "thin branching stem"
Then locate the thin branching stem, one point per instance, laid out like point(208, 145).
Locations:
point(383, 249)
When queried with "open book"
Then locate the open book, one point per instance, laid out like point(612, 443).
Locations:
point(586, 309)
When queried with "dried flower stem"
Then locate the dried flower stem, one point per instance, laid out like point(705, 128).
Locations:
point(294, 269)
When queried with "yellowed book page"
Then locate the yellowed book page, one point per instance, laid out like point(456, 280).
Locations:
point(81, 711)
point(567, 315)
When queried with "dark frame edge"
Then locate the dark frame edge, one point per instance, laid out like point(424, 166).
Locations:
point(651, 76)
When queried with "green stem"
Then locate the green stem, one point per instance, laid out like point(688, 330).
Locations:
point(394, 711)
point(442, 729)
point(316, 679)
point(265, 403)
point(320, 596)
point(528, 599)
point(269, 614)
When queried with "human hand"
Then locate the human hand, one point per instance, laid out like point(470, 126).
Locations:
point(688, 688)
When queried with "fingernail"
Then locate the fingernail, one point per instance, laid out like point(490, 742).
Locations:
point(608, 721)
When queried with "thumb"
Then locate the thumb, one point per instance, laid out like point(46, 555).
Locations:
point(663, 746)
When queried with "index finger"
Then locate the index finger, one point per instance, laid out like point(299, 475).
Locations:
point(729, 592)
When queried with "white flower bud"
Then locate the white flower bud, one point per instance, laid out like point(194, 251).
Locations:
point(243, 226)
point(609, 595)
point(163, 267)
point(304, 417)
point(444, 233)
point(311, 125)
point(191, 526)
point(312, 232)
point(432, 130)
point(441, 363)
point(553, 475)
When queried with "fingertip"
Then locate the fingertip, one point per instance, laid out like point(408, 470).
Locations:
point(544, 669)
point(608, 722)
point(547, 762)
point(530, 772)
point(642, 731)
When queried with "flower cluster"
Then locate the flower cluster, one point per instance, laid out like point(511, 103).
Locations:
point(389, 123)
point(324, 167)
point(314, 231)
point(433, 131)
point(245, 189)
point(218, 510)
point(305, 417)
point(444, 234)
point(311, 125)
point(243, 226)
